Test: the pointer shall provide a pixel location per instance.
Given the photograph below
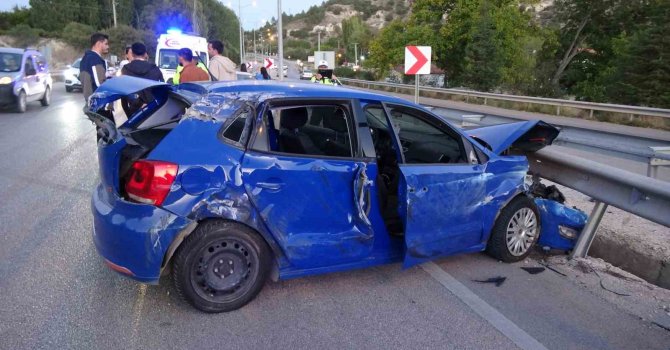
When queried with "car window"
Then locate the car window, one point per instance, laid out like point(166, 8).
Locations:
point(28, 65)
point(424, 139)
point(322, 130)
point(41, 63)
point(76, 64)
point(234, 130)
point(10, 62)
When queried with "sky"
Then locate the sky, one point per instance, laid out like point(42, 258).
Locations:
point(252, 16)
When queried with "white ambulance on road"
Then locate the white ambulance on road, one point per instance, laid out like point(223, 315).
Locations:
point(170, 43)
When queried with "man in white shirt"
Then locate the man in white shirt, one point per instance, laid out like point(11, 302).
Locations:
point(221, 67)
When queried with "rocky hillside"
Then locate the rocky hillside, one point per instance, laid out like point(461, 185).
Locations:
point(328, 17)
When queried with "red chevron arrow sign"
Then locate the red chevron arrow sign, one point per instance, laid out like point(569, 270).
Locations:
point(417, 59)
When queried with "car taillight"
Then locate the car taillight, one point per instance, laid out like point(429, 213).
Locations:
point(150, 181)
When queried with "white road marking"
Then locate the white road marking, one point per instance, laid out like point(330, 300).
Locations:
point(483, 309)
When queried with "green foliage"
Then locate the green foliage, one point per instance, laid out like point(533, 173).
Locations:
point(482, 62)
point(24, 35)
point(124, 35)
point(78, 35)
point(18, 15)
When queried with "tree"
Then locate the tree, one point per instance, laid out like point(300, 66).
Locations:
point(482, 67)
point(78, 35)
point(640, 74)
point(355, 31)
point(24, 35)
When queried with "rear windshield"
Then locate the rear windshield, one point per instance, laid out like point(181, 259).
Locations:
point(10, 62)
point(167, 58)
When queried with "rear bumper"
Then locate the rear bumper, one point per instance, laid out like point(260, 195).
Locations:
point(133, 238)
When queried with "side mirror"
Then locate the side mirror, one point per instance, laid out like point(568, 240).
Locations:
point(68, 66)
point(30, 71)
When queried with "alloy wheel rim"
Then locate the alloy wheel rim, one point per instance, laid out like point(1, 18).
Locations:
point(521, 231)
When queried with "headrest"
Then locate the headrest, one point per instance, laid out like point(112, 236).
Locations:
point(335, 121)
point(294, 118)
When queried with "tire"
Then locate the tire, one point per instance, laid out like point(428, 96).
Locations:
point(21, 102)
point(198, 266)
point(68, 89)
point(46, 99)
point(521, 218)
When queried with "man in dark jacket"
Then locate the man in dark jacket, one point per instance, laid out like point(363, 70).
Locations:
point(93, 68)
point(141, 68)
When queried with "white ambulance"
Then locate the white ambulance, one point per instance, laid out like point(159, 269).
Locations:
point(170, 43)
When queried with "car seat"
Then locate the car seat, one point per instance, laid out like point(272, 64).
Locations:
point(291, 138)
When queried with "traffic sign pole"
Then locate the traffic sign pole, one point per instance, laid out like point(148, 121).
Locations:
point(416, 89)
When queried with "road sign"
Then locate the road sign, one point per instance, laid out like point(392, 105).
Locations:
point(417, 59)
point(269, 62)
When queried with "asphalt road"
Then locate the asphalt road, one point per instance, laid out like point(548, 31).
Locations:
point(57, 294)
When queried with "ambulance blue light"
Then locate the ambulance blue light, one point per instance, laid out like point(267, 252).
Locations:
point(174, 31)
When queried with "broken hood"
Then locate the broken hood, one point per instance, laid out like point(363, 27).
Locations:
point(529, 136)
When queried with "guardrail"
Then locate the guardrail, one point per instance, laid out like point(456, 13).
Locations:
point(558, 103)
point(636, 194)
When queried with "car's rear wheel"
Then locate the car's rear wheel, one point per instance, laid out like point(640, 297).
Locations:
point(68, 89)
point(21, 102)
point(516, 231)
point(221, 266)
point(46, 99)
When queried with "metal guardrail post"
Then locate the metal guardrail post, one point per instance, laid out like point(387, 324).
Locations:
point(589, 231)
point(655, 162)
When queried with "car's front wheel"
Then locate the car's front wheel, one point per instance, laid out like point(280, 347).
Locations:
point(68, 89)
point(221, 266)
point(21, 102)
point(46, 99)
point(516, 231)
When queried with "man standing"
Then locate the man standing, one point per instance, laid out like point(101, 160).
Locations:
point(191, 71)
point(141, 68)
point(93, 67)
point(221, 67)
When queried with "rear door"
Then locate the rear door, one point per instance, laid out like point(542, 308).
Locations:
point(442, 189)
point(305, 175)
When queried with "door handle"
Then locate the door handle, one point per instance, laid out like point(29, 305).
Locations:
point(274, 186)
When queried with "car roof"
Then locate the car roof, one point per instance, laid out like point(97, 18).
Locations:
point(13, 50)
point(265, 90)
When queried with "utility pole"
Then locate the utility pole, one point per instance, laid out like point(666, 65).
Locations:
point(255, 54)
point(114, 11)
point(239, 15)
point(356, 52)
point(319, 41)
point(280, 42)
point(195, 16)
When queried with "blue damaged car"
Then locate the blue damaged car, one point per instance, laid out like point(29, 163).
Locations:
point(229, 184)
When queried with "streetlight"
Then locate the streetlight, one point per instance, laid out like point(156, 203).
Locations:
point(239, 15)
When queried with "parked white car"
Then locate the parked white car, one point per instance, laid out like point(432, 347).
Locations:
point(71, 74)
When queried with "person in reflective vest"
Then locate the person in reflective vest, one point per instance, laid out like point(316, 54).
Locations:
point(180, 68)
point(318, 78)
